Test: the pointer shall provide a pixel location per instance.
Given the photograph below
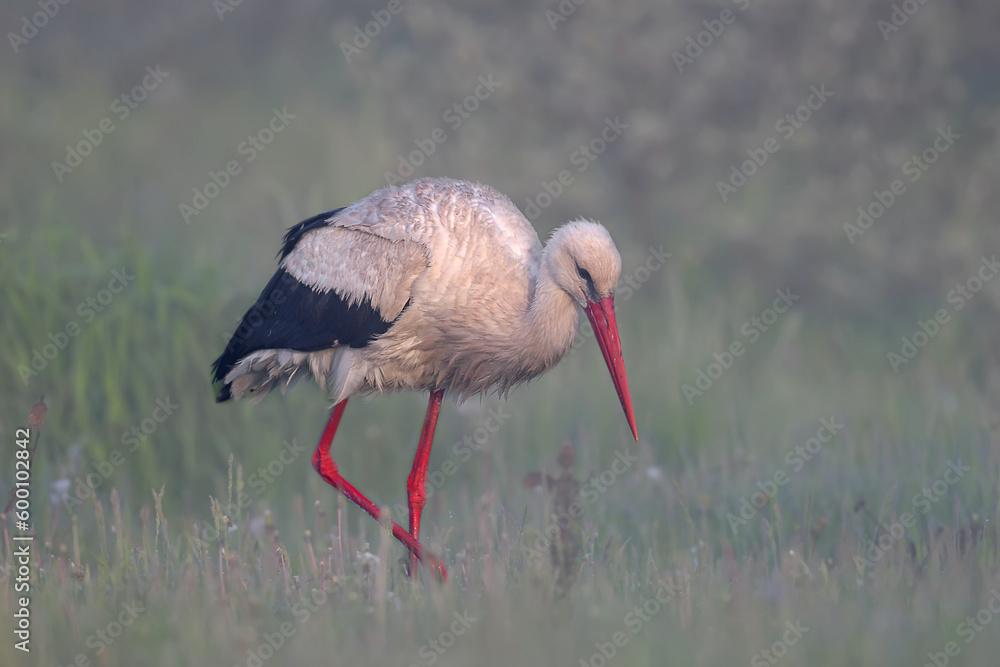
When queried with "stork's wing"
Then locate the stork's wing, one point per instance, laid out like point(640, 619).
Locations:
point(337, 286)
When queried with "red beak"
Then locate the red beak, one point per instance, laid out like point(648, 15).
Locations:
point(602, 318)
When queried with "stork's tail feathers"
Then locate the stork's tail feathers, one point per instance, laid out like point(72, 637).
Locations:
point(258, 373)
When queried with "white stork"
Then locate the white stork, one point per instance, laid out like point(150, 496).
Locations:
point(437, 285)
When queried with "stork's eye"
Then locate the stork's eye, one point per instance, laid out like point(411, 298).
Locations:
point(591, 290)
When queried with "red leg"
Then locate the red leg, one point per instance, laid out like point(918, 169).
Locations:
point(416, 484)
point(327, 469)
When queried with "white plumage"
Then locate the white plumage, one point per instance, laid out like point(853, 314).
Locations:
point(437, 285)
point(468, 264)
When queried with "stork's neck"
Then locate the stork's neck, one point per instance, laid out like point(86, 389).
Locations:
point(553, 317)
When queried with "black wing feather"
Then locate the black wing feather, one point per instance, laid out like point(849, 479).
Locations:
point(296, 232)
point(290, 315)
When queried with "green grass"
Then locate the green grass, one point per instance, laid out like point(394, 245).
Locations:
point(667, 523)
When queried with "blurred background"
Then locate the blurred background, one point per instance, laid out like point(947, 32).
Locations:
point(154, 153)
point(361, 104)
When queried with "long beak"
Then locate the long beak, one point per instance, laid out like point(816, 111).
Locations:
point(602, 318)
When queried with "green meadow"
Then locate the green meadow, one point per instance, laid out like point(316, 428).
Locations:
point(801, 197)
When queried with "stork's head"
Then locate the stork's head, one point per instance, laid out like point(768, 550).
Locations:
point(585, 261)
point(586, 265)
